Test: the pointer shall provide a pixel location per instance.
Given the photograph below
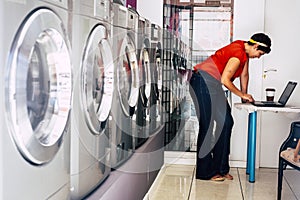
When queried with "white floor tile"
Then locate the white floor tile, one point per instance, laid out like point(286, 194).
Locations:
point(178, 181)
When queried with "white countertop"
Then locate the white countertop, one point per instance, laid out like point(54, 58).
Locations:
point(291, 111)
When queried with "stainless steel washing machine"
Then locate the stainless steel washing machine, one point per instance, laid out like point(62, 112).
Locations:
point(93, 93)
point(183, 70)
point(180, 72)
point(156, 78)
point(132, 33)
point(126, 88)
point(143, 106)
point(36, 92)
point(175, 85)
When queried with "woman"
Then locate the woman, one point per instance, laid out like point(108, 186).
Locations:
point(213, 110)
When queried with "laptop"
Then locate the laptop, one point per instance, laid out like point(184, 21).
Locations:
point(287, 92)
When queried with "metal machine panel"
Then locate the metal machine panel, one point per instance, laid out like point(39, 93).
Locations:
point(36, 93)
point(143, 107)
point(93, 92)
point(156, 79)
point(126, 90)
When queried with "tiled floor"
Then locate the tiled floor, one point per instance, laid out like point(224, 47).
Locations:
point(177, 181)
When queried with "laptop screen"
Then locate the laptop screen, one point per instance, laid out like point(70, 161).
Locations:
point(287, 92)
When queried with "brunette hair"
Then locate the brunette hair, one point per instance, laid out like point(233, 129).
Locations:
point(263, 41)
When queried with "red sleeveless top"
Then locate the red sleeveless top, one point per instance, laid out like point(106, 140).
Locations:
point(215, 64)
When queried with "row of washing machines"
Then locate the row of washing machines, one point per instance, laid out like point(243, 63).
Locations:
point(80, 92)
point(177, 72)
point(180, 71)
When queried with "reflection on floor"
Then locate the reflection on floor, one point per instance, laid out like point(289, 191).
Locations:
point(177, 181)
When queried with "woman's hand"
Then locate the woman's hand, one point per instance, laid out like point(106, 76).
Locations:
point(247, 98)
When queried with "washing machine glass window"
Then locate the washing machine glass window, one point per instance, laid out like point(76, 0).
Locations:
point(128, 76)
point(147, 75)
point(158, 74)
point(97, 80)
point(38, 86)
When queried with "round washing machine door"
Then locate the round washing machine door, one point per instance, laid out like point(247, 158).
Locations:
point(128, 76)
point(174, 83)
point(145, 74)
point(97, 79)
point(157, 75)
point(38, 86)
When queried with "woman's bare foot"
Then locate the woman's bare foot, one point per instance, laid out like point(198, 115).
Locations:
point(228, 176)
point(217, 178)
